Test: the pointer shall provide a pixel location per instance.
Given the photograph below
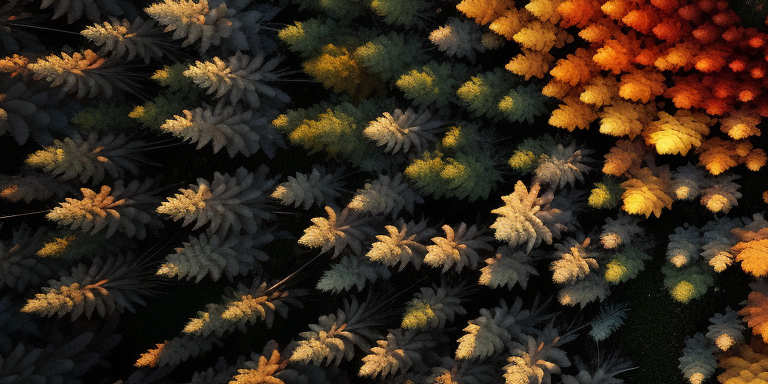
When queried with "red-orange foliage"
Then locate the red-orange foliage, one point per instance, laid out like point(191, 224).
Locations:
point(578, 12)
point(688, 92)
point(756, 311)
point(614, 56)
point(642, 19)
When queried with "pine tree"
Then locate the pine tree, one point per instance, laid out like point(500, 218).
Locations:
point(106, 286)
point(482, 94)
point(226, 126)
point(400, 351)
point(90, 158)
point(403, 244)
point(390, 55)
point(28, 110)
point(336, 68)
point(721, 194)
point(527, 218)
point(507, 268)
point(432, 308)
point(122, 38)
point(86, 73)
point(620, 232)
point(124, 208)
point(386, 196)
point(308, 37)
point(194, 20)
point(229, 202)
point(351, 271)
point(19, 267)
point(240, 77)
point(335, 336)
point(460, 38)
point(726, 330)
point(458, 248)
point(537, 358)
point(607, 321)
point(523, 103)
point(401, 130)
point(337, 232)
point(697, 363)
point(402, 13)
point(434, 84)
point(317, 188)
point(243, 306)
point(213, 255)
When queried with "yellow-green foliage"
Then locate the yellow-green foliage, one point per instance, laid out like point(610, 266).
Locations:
point(687, 283)
point(625, 265)
point(605, 195)
point(336, 69)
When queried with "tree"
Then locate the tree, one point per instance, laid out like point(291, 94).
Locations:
point(123, 208)
point(228, 203)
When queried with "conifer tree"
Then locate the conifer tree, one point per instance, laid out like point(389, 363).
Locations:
point(620, 232)
point(335, 336)
point(625, 265)
point(390, 55)
point(106, 286)
point(32, 186)
point(434, 84)
point(684, 244)
point(123, 38)
point(351, 271)
point(85, 73)
point(213, 255)
point(228, 203)
point(403, 244)
point(507, 268)
point(400, 351)
point(482, 93)
point(386, 196)
point(687, 182)
point(460, 38)
point(337, 232)
point(698, 362)
point(308, 37)
point(726, 330)
point(90, 158)
point(718, 240)
point(76, 9)
point(124, 208)
point(401, 130)
point(537, 358)
point(527, 218)
point(227, 126)
point(754, 311)
point(243, 306)
point(317, 188)
point(523, 103)
point(28, 110)
point(240, 77)
point(337, 130)
point(721, 194)
point(607, 321)
point(193, 20)
point(458, 248)
point(432, 308)
point(336, 68)
point(19, 266)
